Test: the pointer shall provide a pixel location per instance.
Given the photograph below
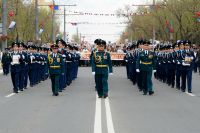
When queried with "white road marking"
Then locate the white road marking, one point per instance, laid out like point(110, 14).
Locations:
point(190, 94)
point(109, 117)
point(97, 122)
point(12, 94)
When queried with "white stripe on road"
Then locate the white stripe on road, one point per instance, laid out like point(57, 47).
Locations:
point(190, 94)
point(10, 95)
point(109, 117)
point(97, 121)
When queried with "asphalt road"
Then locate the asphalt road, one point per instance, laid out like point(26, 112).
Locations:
point(78, 110)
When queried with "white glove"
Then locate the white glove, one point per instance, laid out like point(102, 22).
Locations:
point(137, 70)
point(93, 73)
point(185, 64)
point(154, 71)
point(110, 74)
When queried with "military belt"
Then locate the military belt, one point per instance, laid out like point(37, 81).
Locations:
point(54, 67)
point(101, 65)
point(146, 63)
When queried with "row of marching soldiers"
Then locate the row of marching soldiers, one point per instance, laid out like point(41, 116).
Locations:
point(31, 63)
point(171, 64)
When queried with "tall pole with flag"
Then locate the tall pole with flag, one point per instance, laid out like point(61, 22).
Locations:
point(4, 23)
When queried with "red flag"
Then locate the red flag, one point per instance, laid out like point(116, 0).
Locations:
point(198, 14)
point(51, 7)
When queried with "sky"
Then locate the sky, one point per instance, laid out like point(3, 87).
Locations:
point(90, 32)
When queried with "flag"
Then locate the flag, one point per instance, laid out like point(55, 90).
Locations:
point(12, 25)
point(40, 31)
point(56, 7)
point(198, 19)
point(171, 28)
point(51, 7)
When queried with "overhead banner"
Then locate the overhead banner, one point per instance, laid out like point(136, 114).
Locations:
point(114, 56)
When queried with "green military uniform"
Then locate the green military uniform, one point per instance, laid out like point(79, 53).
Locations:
point(145, 64)
point(102, 65)
point(55, 62)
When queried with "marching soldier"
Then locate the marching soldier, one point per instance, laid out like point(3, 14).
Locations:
point(6, 61)
point(145, 65)
point(16, 58)
point(187, 67)
point(56, 63)
point(101, 66)
point(62, 52)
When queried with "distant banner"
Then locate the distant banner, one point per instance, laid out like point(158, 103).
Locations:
point(114, 56)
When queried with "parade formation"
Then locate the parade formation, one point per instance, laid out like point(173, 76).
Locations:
point(171, 63)
point(35, 64)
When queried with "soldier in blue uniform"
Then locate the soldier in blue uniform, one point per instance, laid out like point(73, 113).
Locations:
point(187, 66)
point(22, 66)
point(171, 66)
point(31, 65)
point(127, 61)
point(101, 66)
point(15, 66)
point(76, 61)
point(62, 52)
point(69, 64)
point(27, 61)
point(56, 68)
point(179, 53)
point(6, 61)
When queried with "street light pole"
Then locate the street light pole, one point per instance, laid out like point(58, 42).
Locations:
point(4, 23)
point(64, 25)
point(154, 31)
point(36, 21)
point(53, 34)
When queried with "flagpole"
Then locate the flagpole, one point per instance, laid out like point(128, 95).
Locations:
point(4, 23)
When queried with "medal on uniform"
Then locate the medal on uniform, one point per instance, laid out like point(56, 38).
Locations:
point(58, 59)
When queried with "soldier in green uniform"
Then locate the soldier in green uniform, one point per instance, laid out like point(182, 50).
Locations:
point(101, 66)
point(56, 63)
point(6, 61)
point(145, 65)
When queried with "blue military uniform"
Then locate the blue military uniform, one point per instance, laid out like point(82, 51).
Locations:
point(15, 68)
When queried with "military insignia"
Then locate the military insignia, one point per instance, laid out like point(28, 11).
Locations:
point(105, 56)
point(58, 59)
point(98, 59)
point(50, 60)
